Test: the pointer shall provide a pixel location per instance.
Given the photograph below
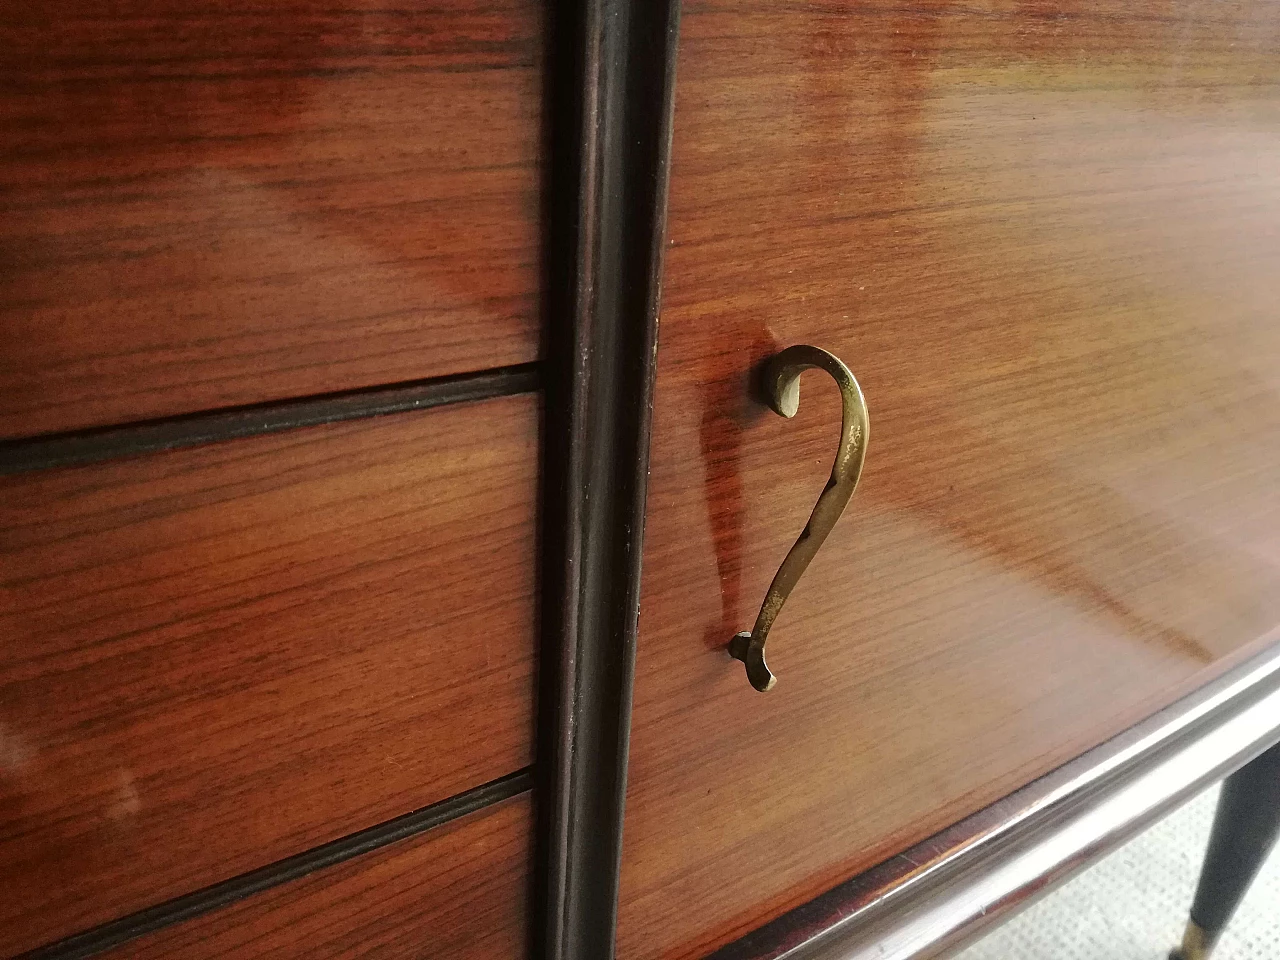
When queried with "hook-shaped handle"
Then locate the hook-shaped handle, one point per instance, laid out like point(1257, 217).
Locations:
point(782, 384)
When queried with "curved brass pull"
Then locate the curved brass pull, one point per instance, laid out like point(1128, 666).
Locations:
point(782, 383)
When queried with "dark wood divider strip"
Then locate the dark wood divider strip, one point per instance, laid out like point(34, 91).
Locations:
point(946, 891)
point(112, 934)
point(89, 446)
point(609, 94)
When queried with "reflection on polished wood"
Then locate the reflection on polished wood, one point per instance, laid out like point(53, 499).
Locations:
point(458, 892)
point(204, 205)
point(1045, 238)
point(218, 657)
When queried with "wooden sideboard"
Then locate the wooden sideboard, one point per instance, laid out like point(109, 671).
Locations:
point(385, 467)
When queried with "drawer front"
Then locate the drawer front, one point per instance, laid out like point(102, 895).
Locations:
point(1045, 243)
point(458, 892)
point(221, 656)
point(209, 204)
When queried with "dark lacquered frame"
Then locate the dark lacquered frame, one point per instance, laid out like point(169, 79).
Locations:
point(610, 95)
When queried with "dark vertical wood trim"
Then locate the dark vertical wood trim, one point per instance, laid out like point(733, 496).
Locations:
point(609, 105)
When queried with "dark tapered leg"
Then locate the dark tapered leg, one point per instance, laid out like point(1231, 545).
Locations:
point(1245, 828)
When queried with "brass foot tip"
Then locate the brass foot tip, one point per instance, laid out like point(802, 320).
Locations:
point(1197, 944)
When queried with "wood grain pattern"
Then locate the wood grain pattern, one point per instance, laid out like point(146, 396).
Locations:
point(1044, 238)
point(221, 656)
point(458, 892)
point(204, 205)
point(947, 890)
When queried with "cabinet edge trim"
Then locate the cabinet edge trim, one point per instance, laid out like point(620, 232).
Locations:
point(948, 890)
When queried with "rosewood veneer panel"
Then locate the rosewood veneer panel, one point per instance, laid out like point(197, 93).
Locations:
point(1044, 238)
point(458, 892)
point(213, 204)
point(218, 657)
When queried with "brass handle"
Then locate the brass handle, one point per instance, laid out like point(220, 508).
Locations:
point(782, 384)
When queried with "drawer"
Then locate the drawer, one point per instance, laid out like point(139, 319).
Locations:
point(217, 657)
point(458, 892)
point(210, 204)
point(1049, 257)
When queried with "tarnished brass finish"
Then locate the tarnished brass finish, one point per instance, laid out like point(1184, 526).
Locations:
point(782, 386)
point(1196, 944)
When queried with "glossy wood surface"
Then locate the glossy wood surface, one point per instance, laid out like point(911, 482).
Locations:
point(458, 892)
point(217, 657)
point(947, 890)
point(1044, 238)
point(208, 204)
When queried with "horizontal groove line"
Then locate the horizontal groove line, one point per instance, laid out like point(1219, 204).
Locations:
point(108, 443)
point(228, 892)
